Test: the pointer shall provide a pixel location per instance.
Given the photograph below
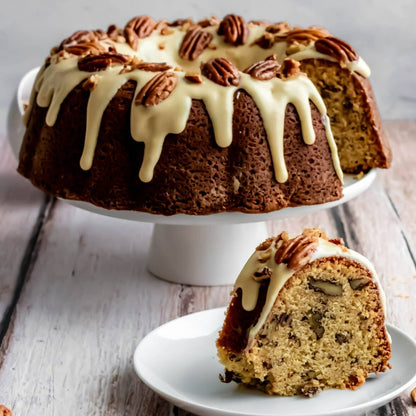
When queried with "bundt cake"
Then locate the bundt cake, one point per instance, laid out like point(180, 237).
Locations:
point(307, 314)
point(198, 118)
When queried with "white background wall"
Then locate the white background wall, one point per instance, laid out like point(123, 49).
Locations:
point(383, 32)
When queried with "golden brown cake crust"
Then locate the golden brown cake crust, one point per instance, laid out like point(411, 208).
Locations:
point(193, 176)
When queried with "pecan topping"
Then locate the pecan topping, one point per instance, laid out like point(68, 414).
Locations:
point(297, 251)
point(181, 22)
point(87, 48)
point(265, 41)
point(116, 34)
point(290, 68)
point(264, 70)
point(157, 89)
point(138, 28)
point(221, 71)
point(209, 21)
point(194, 78)
point(336, 48)
point(93, 63)
point(90, 83)
point(265, 244)
point(234, 29)
point(263, 23)
point(306, 36)
point(194, 43)
point(152, 66)
point(83, 36)
point(278, 28)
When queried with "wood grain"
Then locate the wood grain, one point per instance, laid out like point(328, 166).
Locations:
point(81, 299)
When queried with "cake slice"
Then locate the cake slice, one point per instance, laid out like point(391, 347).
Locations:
point(307, 314)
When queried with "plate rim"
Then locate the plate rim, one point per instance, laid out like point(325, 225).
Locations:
point(194, 405)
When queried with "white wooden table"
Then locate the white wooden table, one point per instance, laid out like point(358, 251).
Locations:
point(75, 297)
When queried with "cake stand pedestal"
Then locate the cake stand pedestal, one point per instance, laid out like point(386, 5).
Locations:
point(204, 250)
point(202, 254)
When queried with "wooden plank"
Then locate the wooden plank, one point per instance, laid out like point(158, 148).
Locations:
point(21, 211)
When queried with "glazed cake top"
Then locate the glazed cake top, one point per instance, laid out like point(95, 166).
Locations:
point(174, 63)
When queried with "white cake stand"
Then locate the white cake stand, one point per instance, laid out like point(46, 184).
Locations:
point(203, 250)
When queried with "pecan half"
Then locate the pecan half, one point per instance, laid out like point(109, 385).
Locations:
point(297, 251)
point(264, 70)
point(93, 63)
point(82, 36)
point(87, 48)
point(306, 36)
point(157, 89)
point(194, 43)
point(138, 28)
point(221, 71)
point(336, 48)
point(235, 30)
point(290, 68)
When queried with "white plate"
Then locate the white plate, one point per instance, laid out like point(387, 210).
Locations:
point(178, 361)
point(352, 187)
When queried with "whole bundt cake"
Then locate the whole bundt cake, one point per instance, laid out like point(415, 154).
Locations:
point(307, 314)
point(198, 118)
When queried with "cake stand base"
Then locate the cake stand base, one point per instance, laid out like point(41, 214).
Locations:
point(203, 255)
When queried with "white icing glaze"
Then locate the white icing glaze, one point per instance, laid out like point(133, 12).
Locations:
point(151, 124)
point(280, 274)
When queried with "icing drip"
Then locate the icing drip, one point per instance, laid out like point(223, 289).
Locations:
point(151, 124)
point(280, 274)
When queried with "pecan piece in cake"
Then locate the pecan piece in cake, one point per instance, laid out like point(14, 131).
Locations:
point(235, 30)
point(336, 48)
point(195, 41)
point(221, 71)
point(137, 28)
point(157, 89)
point(325, 286)
point(264, 70)
point(297, 251)
point(87, 48)
point(93, 63)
